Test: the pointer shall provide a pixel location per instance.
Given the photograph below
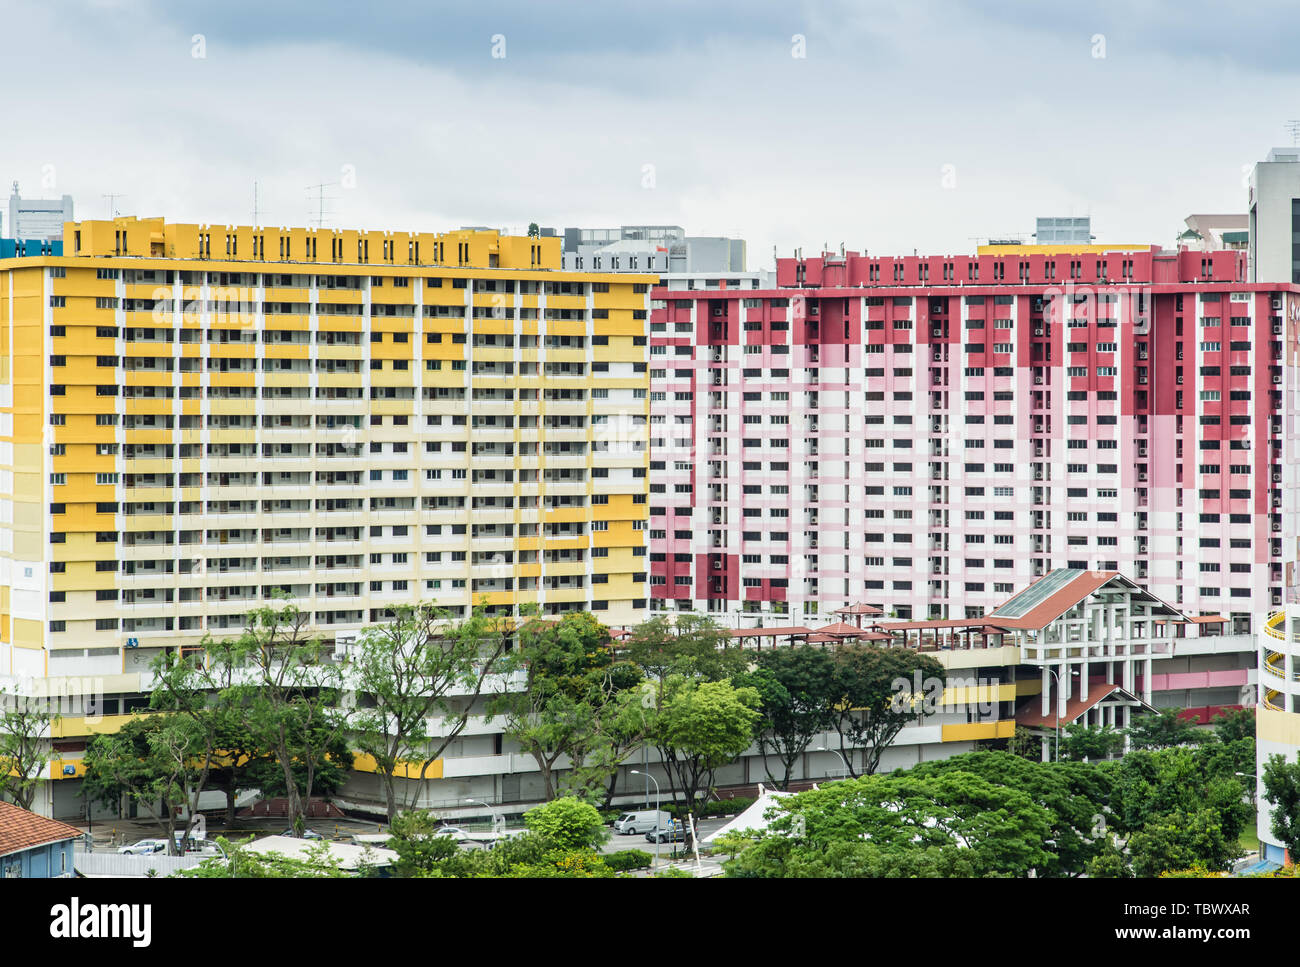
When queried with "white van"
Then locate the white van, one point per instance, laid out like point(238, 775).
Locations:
point(642, 822)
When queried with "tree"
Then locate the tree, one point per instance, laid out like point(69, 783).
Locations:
point(241, 863)
point(1076, 795)
point(24, 736)
point(1282, 789)
point(155, 762)
point(1150, 784)
point(552, 715)
point(420, 848)
point(409, 668)
point(1164, 729)
point(1179, 839)
point(1090, 742)
point(569, 823)
point(692, 645)
point(533, 230)
point(699, 727)
point(879, 697)
point(1231, 725)
point(619, 726)
point(289, 693)
point(797, 690)
point(951, 824)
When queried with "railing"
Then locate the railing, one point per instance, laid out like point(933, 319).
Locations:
point(1273, 627)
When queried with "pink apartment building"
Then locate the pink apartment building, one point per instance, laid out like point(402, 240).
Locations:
point(931, 434)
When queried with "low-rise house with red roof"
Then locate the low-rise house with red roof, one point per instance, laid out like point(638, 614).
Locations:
point(33, 847)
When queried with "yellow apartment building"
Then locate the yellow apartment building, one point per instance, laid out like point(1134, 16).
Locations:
point(195, 417)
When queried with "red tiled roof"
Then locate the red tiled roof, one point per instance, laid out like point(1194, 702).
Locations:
point(21, 830)
point(1029, 715)
point(860, 609)
point(1056, 604)
point(769, 632)
point(840, 629)
point(978, 624)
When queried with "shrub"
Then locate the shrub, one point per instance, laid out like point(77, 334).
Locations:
point(629, 859)
point(569, 823)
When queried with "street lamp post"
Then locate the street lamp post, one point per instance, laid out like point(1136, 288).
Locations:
point(822, 748)
point(638, 772)
point(498, 827)
point(1056, 755)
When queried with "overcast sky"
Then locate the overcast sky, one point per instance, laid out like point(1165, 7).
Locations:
point(904, 125)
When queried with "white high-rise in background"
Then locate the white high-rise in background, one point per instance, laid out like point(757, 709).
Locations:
point(38, 219)
point(1274, 208)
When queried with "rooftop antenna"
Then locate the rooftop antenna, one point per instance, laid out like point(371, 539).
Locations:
point(112, 199)
point(1294, 128)
point(257, 212)
point(321, 199)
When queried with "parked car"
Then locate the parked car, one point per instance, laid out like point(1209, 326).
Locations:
point(202, 847)
point(454, 831)
point(306, 834)
point(676, 833)
point(645, 821)
point(145, 847)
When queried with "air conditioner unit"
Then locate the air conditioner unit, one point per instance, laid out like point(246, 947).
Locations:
point(1038, 380)
point(717, 520)
point(717, 565)
point(1142, 476)
point(1245, 444)
point(1038, 330)
point(1038, 475)
point(1277, 329)
point(1277, 303)
point(1277, 478)
point(1277, 527)
point(1277, 379)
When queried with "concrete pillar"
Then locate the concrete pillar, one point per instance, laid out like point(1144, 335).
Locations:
point(1146, 681)
point(1083, 680)
point(1047, 691)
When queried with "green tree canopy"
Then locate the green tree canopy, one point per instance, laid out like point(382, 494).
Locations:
point(883, 690)
point(798, 691)
point(1282, 790)
point(700, 726)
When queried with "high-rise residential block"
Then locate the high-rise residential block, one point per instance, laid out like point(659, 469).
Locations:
point(929, 434)
point(196, 418)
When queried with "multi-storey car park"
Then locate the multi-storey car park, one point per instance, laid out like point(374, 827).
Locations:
point(930, 434)
point(194, 418)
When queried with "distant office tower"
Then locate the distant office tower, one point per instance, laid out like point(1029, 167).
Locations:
point(929, 434)
point(37, 219)
point(1274, 210)
point(1063, 231)
point(651, 248)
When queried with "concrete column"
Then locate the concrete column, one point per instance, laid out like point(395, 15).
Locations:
point(1146, 681)
point(1083, 680)
point(1047, 691)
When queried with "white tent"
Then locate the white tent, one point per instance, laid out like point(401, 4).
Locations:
point(348, 855)
point(752, 818)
